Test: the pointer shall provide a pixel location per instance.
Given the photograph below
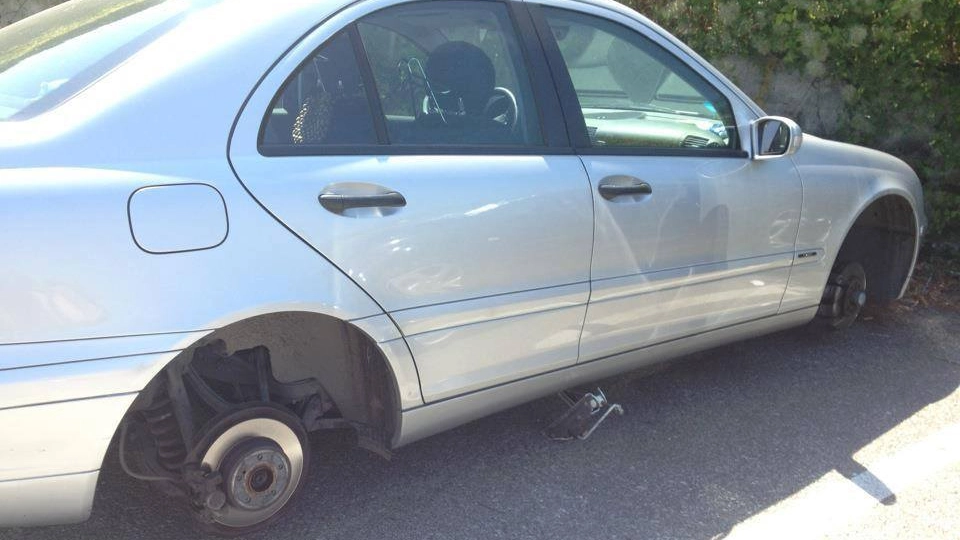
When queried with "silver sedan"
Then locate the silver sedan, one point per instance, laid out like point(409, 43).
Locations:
point(227, 224)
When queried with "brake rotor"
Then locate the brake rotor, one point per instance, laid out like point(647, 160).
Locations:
point(261, 454)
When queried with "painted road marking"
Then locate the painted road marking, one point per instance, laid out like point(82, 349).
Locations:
point(834, 500)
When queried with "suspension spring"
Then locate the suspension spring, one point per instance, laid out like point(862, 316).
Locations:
point(163, 426)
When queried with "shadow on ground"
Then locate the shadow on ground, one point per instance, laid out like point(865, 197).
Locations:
point(706, 443)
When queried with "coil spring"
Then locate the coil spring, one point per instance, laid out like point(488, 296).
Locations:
point(163, 426)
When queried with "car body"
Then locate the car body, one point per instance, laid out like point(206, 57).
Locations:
point(218, 195)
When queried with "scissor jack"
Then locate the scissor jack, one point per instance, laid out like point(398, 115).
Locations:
point(585, 413)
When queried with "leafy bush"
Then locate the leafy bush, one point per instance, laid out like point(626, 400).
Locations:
point(896, 62)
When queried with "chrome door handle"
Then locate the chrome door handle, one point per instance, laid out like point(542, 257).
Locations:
point(337, 203)
point(617, 186)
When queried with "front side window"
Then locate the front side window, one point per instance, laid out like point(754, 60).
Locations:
point(450, 73)
point(635, 94)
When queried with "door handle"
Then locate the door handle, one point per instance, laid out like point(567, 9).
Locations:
point(337, 203)
point(616, 186)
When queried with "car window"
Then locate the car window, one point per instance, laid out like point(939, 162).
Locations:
point(450, 73)
point(633, 93)
point(51, 56)
point(323, 103)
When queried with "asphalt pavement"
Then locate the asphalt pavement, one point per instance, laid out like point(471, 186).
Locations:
point(800, 434)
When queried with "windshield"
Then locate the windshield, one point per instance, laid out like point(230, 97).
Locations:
point(51, 56)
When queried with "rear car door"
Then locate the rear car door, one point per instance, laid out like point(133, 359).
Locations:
point(691, 234)
point(414, 149)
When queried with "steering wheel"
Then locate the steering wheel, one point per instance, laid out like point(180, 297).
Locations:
point(502, 108)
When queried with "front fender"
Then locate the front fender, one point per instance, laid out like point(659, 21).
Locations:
point(840, 181)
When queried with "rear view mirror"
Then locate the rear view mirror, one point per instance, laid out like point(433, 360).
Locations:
point(775, 136)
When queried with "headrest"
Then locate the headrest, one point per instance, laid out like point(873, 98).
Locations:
point(465, 71)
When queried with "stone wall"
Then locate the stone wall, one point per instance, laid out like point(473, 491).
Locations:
point(816, 104)
point(12, 11)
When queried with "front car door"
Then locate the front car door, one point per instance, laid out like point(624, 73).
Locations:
point(691, 234)
point(410, 145)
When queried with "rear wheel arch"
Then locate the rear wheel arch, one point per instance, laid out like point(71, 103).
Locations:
point(346, 361)
point(341, 356)
point(313, 370)
point(314, 355)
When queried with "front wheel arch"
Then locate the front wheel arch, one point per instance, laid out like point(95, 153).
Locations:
point(885, 240)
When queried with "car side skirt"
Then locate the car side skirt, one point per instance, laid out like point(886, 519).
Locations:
point(427, 420)
point(49, 500)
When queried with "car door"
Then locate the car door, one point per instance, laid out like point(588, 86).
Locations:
point(410, 146)
point(691, 234)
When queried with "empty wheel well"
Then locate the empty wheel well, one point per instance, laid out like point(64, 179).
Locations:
point(883, 239)
point(322, 369)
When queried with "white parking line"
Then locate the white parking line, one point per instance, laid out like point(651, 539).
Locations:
point(834, 501)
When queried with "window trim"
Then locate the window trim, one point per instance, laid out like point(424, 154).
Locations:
point(329, 150)
point(553, 123)
point(369, 85)
point(570, 103)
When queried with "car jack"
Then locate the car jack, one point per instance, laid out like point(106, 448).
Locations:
point(582, 417)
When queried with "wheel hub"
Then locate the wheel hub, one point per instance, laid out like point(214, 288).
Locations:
point(844, 296)
point(851, 295)
point(261, 461)
point(258, 473)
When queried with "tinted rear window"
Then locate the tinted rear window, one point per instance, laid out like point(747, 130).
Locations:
point(51, 56)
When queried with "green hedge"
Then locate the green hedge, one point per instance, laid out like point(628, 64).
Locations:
point(897, 63)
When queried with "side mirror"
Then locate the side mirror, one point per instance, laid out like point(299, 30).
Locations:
point(775, 136)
